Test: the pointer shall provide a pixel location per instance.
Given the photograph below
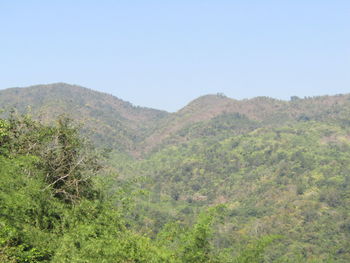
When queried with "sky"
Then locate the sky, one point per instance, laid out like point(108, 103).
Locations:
point(163, 54)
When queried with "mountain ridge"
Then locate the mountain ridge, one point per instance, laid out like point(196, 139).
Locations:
point(136, 130)
point(276, 167)
point(98, 111)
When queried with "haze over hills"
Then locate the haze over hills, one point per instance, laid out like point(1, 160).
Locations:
point(118, 124)
point(279, 168)
point(222, 134)
point(109, 120)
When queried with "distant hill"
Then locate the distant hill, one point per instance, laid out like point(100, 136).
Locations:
point(216, 115)
point(108, 120)
point(112, 122)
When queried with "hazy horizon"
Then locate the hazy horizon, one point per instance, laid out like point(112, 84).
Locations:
point(186, 103)
point(163, 55)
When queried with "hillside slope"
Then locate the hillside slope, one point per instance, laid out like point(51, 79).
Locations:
point(107, 119)
point(279, 167)
point(292, 181)
point(217, 115)
point(139, 131)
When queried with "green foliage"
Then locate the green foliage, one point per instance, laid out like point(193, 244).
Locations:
point(196, 246)
point(280, 168)
point(291, 181)
point(27, 212)
point(38, 225)
point(67, 165)
point(4, 125)
point(254, 252)
point(89, 222)
point(192, 244)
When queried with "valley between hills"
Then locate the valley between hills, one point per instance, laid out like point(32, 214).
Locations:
point(220, 180)
point(134, 130)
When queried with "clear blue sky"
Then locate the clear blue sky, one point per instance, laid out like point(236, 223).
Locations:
point(164, 53)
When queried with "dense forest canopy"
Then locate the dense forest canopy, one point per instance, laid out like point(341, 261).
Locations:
point(56, 206)
point(221, 180)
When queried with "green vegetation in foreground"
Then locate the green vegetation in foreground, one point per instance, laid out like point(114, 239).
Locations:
point(217, 181)
point(55, 206)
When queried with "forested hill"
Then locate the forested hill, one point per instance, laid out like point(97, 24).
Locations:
point(221, 180)
point(112, 122)
point(215, 115)
point(107, 119)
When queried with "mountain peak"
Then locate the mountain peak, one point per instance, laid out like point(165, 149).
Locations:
point(110, 120)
